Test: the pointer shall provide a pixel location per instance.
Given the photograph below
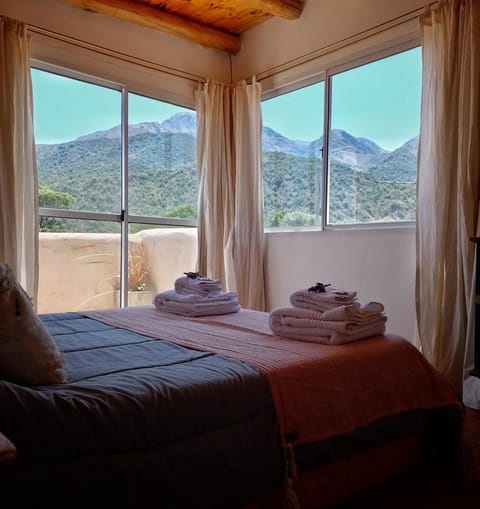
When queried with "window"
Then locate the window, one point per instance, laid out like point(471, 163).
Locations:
point(162, 166)
point(108, 193)
point(370, 152)
point(292, 148)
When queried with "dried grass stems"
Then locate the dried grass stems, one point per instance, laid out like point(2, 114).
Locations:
point(138, 269)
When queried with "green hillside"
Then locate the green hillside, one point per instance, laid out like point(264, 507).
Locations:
point(162, 173)
point(292, 184)
point(366, 183)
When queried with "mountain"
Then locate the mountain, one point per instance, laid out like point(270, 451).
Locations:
point(358, 153)
point(366, 182)
point(183, 122)
point(402, 162)
point(272, 141)
point(115, 132)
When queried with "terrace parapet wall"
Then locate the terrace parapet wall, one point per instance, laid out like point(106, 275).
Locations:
point(79, 271)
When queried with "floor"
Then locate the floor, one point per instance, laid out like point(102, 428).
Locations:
point(472, 439)
point(420, 489)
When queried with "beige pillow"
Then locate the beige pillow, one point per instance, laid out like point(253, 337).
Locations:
point(28, 353)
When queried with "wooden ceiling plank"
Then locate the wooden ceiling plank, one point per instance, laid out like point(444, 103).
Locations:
point(287, 9)
point(150, 17)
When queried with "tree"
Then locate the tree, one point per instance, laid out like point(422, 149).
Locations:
point(182, 212)
point(48, 198)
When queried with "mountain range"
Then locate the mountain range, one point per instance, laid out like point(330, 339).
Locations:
point(162, 168)
point(178, 123)
point(361, 154)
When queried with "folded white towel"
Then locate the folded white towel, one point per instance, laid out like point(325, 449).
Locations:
point(308, 325)
point(197, 285)
point(193, 298)
point(322, 301)
point(179, 308)
point(196, 305)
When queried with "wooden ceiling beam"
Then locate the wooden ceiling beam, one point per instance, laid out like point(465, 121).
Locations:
point(287, 9)
point(150, 17)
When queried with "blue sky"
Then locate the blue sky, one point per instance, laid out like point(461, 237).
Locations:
point(65, 109)
point(379, 101)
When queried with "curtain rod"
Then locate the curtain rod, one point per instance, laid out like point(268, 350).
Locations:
point(261, 75)
point(352, 39)
point(113, 53)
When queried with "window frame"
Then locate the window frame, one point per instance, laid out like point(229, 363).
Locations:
point(123, 217)
point(326, 75)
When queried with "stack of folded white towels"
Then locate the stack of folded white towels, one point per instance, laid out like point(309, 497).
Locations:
point(327, 315)
point(194, 295)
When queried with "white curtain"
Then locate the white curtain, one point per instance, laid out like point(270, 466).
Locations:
point(215, 166)
point(230, 216)
point(448, 184)
point(18, 172)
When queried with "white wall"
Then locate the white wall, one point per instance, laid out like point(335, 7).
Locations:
point(79, 271)
point(378, 264)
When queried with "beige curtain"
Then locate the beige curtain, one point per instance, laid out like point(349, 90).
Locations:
point(230, 215)
point(18, 172)
point(215, 165)
point(448, 184)
point(249, 237)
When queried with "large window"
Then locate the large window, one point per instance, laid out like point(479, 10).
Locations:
point(111, 188)
point(370, 151)
point(162, 166)
point(292, 138)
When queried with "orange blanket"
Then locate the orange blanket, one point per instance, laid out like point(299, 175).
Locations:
point(319, 391)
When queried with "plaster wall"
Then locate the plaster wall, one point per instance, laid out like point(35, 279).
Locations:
point(379, 264)
point(148, 61)
point(79, 271)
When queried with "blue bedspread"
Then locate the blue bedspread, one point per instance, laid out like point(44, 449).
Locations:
point(140, 418)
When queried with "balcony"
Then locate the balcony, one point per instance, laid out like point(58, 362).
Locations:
point(80, 271)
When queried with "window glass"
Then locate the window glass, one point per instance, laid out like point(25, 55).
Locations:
point(78, 146)
point(374, 117)
point(162, 159)
point(292, 139)
point(78, 132)
point(373, 141)
point(79, 265)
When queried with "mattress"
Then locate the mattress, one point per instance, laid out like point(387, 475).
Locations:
point(186, 413)
point(140, 418)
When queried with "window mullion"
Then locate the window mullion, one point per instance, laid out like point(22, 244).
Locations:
point(325, 148)
point(124, 201)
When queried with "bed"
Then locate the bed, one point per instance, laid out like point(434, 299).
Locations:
point(216, 412)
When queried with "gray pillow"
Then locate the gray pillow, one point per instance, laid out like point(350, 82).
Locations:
point(28, 353)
